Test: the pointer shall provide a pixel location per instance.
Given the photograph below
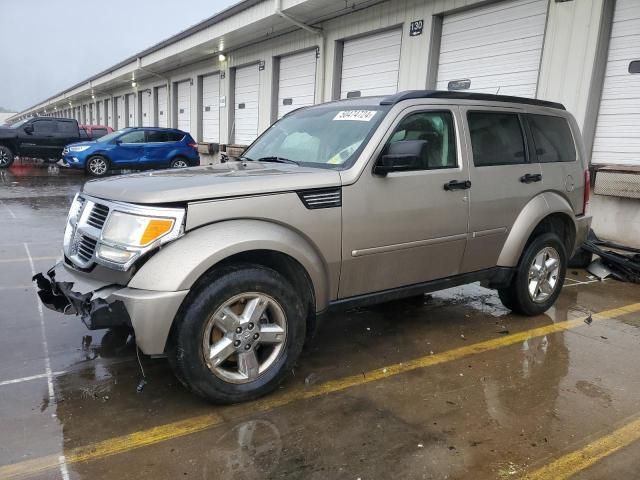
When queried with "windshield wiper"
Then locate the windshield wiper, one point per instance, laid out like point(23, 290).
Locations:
point(277, 160)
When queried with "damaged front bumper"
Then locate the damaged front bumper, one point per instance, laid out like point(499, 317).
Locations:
point(101, 304)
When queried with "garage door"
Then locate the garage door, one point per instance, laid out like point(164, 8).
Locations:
point(184, 106)
point(92, 118)
point(211, 108)
point(370, 65)
point(161, 102)
point(131, 110)
point(99, 116)
point(617, 138)
point(120, 113)
point(107, 113)
point(297, 81)
point(496, 48)
point(145, 108)
point(246, 107)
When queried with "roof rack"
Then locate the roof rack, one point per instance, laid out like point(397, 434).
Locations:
point(457, 95)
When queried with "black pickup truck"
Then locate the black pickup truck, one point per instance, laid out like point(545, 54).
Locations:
point(37, 137)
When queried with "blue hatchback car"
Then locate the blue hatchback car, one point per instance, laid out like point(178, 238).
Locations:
point(137, 148)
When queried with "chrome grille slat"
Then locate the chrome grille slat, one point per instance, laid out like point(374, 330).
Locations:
point(98, 215)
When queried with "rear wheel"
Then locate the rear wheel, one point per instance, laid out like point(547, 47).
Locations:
point(539, 277)
point(97, 166)
point(179, 162)
point(239, 334)
point(6, 157)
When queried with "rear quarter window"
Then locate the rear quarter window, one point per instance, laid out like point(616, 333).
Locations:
point(552, 138)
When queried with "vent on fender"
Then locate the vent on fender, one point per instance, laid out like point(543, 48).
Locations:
point(321, 198)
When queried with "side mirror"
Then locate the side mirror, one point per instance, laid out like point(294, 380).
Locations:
point(402, 156)
point(28, 129)
point(118, 141)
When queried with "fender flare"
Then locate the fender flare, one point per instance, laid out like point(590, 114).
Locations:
point(538, 208)
point(178, 265)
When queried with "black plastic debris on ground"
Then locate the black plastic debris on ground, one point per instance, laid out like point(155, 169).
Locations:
point(621, 261)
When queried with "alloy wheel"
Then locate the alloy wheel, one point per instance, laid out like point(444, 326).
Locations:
point(98, 166)
point(179, 164)
point(4, 158)
point(543, 274)
point(244, 337)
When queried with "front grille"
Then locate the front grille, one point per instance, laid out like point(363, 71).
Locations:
point(86, 247)
point(98, 215)
point(321, 198)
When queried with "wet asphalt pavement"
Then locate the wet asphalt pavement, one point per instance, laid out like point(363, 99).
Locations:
point(365, 402)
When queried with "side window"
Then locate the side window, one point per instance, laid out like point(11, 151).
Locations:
point(496, 139)
point(157, 137)
point(44, 127)
point(437, 129)
point(552, 138)
point(98, 132)
point(66, 128)
point(174, 137)
point(136, 136)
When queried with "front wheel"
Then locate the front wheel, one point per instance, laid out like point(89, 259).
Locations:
point(6, 157)
point(539, 277)
point(238, 335)
point(97, 166)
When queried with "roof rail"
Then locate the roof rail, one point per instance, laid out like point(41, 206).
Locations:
point(457, 95)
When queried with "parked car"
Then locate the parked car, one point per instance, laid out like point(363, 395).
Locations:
point(96, 131)
point(227, 270)
point(138, 148)
point(37, 137)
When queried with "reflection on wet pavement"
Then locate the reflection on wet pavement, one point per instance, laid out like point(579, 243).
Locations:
point(494, 414)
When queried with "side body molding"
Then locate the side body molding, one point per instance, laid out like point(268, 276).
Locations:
point(177, 266)
point(537, 209)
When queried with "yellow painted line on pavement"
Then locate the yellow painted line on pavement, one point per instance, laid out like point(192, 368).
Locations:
point(25, 259)
point(161, 433)
point(572, 463)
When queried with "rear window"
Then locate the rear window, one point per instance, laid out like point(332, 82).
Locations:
point(174, 136)
point(552, 139)
point(496, 139)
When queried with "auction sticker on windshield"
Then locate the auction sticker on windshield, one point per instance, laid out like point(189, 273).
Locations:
point(357, 115)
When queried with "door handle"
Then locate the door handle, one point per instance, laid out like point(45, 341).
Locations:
point(457, 185)
point(531, 177)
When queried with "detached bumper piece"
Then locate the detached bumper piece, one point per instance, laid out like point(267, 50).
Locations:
point(96, 313)
point(622, 262)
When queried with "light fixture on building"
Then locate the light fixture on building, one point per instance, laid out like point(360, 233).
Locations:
point(93, 96)
point(222, 57)
point(134, 84)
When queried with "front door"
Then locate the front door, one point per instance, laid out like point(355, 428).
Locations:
point(130, 149)
point(406, 228)
point(40, 142)
point(504, 181)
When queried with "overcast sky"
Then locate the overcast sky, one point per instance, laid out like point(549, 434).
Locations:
point(37, 62)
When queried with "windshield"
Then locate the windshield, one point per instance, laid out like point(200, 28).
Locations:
point(331, 136)
point(110, 136)
point(19, 124)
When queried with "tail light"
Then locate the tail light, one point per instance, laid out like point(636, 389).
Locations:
point(587, 190)
point(195, 146)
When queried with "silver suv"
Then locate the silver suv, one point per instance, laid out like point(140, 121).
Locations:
point(226, 269)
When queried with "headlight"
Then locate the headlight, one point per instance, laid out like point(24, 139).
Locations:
point(81, 148)
point(135, 230)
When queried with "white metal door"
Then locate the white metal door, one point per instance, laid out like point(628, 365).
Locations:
point(184, 106)
point(145, 108)
point(496, 47)
point(107, 113)
point(297, 81)
point(246, 104)
point(617, 138)
point(91, 115)
point(370, 65)
point(161, 107)
point(99, 112)
point(120, 113)
point(211, 108)
point(131, 110)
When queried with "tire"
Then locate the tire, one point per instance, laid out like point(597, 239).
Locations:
point(179, 162)
point(536, 295)
point(199, 326)
point(97, 166)
point(581, 259)
point(6, 157)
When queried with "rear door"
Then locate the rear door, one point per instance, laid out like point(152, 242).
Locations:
point(503, 180)
point(66, 133)
point(157, 148)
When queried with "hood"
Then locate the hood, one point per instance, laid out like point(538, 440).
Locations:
point(82, 144)
point(212, 181)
